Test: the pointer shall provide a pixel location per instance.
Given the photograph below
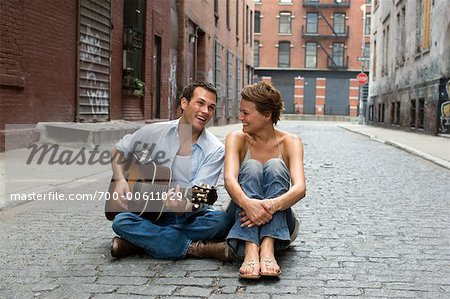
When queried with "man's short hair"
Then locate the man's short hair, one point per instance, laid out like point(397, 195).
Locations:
point(188, 91)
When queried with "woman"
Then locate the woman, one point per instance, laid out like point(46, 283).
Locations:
point(264, 176)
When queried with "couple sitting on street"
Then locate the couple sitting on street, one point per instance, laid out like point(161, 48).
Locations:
point(263, 174)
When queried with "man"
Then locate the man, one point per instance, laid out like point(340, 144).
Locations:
point(195, 156)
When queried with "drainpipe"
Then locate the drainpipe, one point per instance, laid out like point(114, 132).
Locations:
point(181, 45)
point(244, 65)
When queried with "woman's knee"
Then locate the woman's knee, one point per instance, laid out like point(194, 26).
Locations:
point(252, 167)
point(276, 167)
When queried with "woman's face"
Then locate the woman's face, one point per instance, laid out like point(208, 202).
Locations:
point(252, 120)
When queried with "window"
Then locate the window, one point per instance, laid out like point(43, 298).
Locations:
point(393, 121)
point(367, 24)
point(338, 54)
point(133, 30)
point(229, 84)
point(246, 24)
point(366, 56)
point(285, 22)
point(248, 74)
point(311, 22)
point(401, 37)
point(397, 113)
point(216, 11)
point(412, 113)
point(421, 113)
point(386, 54)
point(228, 14)
point(419, 24)
point(251, 27)
point(218, 73)
point(256, 54)
point(257, 22)
point(284, 54)
point(238, 81)
point(374, 71)
point(426, 24)
point(311, 55)
point(339, 23)
point(237, 19)
point(379, 113)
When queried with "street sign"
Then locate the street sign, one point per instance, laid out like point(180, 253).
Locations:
point(362, 78)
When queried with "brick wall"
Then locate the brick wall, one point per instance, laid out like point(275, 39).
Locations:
point(353, 100)
point(299, 93)
point(201, 14)
point(38, 56)
point(320, 95)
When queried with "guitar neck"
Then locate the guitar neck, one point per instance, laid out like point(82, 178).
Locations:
point(157, 190)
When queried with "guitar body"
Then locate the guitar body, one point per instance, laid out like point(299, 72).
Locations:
point(139, 176)
point(149, 183)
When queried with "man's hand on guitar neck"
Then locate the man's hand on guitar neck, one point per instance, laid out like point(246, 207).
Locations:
point(122, 189)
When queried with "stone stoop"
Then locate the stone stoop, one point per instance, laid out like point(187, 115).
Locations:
point(18, 136)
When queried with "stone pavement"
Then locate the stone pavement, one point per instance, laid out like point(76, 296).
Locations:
point(374, 223)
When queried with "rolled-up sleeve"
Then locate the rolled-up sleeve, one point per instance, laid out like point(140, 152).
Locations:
point(209, 171)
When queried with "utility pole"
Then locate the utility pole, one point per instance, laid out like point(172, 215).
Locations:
point(362, 59)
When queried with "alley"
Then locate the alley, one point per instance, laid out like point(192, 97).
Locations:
point(374, 223)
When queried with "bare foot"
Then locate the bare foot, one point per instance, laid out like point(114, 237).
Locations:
point(269, 266)
point(250, 267)
point(268, 263)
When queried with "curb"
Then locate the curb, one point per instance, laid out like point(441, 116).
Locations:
point(408, 149)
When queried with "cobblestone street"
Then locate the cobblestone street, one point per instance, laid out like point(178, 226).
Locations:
point(374, 223)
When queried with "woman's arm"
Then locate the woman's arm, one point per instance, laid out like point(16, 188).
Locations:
point(234, 143)
point(294, 149)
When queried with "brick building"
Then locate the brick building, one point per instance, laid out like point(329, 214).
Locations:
point(310, 50)
point(82, 61)
point(101, 60)
point(410, 65)
point(215, 43)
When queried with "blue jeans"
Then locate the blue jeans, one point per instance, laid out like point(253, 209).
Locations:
point(260, 181)
point(170, 236)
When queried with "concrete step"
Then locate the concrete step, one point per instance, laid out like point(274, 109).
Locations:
point(85, 134)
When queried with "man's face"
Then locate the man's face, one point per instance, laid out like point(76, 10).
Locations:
point(200, 109)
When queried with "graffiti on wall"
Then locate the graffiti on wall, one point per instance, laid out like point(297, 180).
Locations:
point(173, 82)
point(90, 53)
point(445, 111)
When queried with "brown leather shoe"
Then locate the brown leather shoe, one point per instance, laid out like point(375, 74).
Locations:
point(121, 248)
point(210, 249)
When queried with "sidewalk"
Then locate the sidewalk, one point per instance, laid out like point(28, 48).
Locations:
point(432, 148)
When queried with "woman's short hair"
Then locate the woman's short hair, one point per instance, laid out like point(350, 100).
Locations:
point(266, 98)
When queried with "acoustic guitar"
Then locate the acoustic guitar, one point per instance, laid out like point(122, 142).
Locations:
point(149, 184)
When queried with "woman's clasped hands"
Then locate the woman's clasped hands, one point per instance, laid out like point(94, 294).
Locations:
point(257, 212)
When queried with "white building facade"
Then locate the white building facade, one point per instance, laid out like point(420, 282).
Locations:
point(409, 65)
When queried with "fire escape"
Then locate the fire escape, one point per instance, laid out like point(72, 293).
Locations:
point(338, 33)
